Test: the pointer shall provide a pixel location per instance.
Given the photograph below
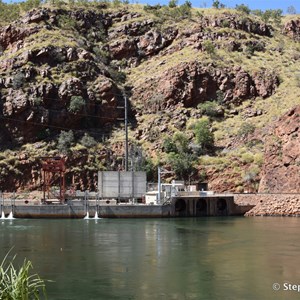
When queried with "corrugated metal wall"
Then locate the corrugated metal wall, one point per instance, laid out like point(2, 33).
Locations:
point(121, 184)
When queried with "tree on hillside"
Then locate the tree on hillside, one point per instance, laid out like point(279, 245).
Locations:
point(204, 136)
point(187, 3)
point(173, 3)
point(182, 164)
point(65, 140)
point(269, 14)
point(243, 8)
point(179, 155)
point(217, 4)
point(276, 14)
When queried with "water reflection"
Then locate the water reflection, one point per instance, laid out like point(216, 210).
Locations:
point(205, 258)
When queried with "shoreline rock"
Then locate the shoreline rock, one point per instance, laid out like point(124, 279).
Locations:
point(275, 205)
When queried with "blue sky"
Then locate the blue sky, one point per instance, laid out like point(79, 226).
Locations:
point(253, 4)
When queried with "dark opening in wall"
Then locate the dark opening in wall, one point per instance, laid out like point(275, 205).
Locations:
point(221, 204)
point(201, 207)
point(180, 205)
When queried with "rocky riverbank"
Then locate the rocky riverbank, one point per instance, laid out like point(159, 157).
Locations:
point(275, 205)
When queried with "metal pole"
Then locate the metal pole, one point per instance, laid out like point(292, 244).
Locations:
point(86, 201)
point(126, 135)
point(119, 185)
point(2, 203)
point(159, 185)
point(44, 187)
point(97, 201)
point(132, 185)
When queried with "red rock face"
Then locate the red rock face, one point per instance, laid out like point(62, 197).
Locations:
point(292, 29)
point(281, 171)
point(191, 83)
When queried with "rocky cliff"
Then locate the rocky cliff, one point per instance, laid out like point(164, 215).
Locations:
point(281, 169)
point(65, 69)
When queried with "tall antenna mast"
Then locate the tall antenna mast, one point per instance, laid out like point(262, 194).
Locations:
point(126, 134)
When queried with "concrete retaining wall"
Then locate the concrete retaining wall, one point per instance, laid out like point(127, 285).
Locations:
point(134, 211)
point(80, 211)
point(45, 211)
point(207, 206)
point(217, 205)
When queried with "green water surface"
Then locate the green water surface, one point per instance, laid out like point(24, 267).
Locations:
point(196, 258)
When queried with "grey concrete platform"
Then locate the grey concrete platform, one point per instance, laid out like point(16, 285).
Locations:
point(180, 206)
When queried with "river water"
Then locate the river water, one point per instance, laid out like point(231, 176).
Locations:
point(196, 258)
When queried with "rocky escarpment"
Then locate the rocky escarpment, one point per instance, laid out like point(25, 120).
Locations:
point(52, 80)
point(190, 84)
point(67, 69)
point(138, 40)
point(44, 71)
point(281, 168)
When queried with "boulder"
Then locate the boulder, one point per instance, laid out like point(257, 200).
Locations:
point(292, 29)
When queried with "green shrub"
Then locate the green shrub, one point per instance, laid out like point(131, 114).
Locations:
point(204, 136)
point(76, 104)
point(182, 164)
point(276, 14)
point(169, 145)
point(179, 143)
point(217, 4)
point(250, 177)
point(171, 12)
point(247, 158)
point(150, 8)
point(246, 129)
point(117, 75)
point(65, 141)
point(243, 8)
point(225, 23)
point(253, 46)
point(209, 108)
point(212, 160)
point(267, 15)
point(184, 11)
point(18, 284)
point(66, 22)
point(258, 159)
point(88, 141)
point(173, 3)
point(209, 47)
point(102, 55)
point(18, 81)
